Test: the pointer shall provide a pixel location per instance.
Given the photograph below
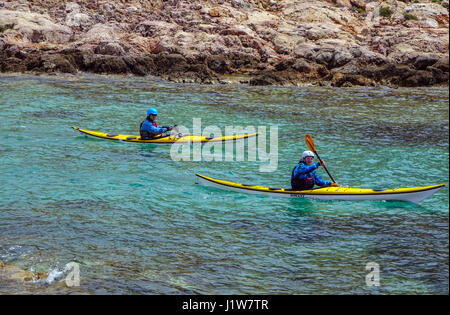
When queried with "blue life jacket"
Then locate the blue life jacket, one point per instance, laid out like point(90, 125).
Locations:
point(305, 177)
point(149, 129)
point(302, 182)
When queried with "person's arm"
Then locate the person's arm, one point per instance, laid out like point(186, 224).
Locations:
point(152, 129)
point(320, 182)
point(323, 183)
point(305, 169)
point(167, 127)
point(158, 130)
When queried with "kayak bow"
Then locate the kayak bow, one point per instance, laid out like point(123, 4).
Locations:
point(413, 194)
point(162, 140)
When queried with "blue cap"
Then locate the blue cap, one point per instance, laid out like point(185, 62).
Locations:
point(152, 111)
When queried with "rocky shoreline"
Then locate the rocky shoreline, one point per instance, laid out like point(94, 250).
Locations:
point(285, 42)
point(12, 272)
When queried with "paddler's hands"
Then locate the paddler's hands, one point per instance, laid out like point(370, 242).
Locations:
point(322, 163)
point(335, 184)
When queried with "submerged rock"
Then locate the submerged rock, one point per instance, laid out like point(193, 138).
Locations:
point(12, 272)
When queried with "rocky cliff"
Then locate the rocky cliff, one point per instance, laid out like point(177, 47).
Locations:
point(260, 42)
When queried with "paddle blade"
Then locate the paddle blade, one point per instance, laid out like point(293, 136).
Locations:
point(310, 143)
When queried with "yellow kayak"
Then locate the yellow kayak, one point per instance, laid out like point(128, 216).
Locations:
point(163, 139)
point(413, 194)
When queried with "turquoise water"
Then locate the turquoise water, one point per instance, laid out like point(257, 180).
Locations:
point(136, 222)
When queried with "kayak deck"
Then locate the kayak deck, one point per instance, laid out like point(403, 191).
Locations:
point(162, 140)
point(412, 194)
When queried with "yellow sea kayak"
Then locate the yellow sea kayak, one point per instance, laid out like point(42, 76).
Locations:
point(413, 194)
point(162, 140)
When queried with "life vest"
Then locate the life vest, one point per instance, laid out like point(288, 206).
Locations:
point(144, 133)
point(301, 184)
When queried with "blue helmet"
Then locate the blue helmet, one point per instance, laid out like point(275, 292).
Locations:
point(152, 111)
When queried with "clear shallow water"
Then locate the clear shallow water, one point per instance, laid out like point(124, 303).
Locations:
point(136, 222)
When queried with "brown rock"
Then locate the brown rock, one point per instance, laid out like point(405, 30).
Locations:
point(156, 28)
point(12, 64)
point(219, 64)
point(420, 78)
point(12, 272)
point(359, 4)
point(442, 64)
point(108, 65)
point(287, 42)
point(343, 3)
point(34, 25)
point(439, 76)
point(56, 63)
point(314, 69)
point(266, 79)
point(142, 65)
point(169, 62)
point(109, 48)
point(215, 12)
point(347, 80)
point(421, 62)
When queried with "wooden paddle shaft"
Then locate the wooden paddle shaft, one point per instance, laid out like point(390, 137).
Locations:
point(315, 152)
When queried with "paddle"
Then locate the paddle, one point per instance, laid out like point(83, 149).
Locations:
point(310, 143)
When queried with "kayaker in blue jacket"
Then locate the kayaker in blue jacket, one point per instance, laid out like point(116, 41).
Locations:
point(149, 128)
point(304, 174)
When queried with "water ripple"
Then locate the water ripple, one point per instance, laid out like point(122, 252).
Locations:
point(136, 222)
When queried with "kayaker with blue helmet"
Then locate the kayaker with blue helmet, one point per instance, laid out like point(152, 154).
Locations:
point(304, 174)
point(149, 128)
